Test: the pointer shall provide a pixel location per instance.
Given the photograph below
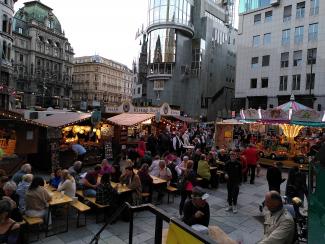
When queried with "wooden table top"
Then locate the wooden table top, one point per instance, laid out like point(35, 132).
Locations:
point(213, 167)
point(121, 188)
point(156, 180)
point(58, 198)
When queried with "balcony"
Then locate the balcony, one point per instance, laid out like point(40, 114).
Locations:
point(160, 71)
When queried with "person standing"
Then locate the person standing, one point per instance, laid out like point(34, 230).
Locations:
point(177, 144)
point(79, 150)
point(252, 157)
point(233, 176)
point(274, 177)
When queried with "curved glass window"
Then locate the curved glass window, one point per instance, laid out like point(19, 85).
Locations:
point(162, 46)
point(178, 11)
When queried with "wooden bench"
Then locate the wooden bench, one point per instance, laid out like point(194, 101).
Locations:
point(92, 200)
point(33, 221)
point(171, 190)
point(81, 208)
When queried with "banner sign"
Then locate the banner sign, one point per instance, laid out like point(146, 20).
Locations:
point(127, 107)
point(307, 116)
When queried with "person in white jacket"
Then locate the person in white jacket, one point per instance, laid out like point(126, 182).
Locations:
point(180, 168)
point(67, 184)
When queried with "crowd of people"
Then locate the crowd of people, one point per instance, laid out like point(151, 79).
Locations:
point(181, 159)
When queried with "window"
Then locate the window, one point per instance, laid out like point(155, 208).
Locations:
point(300, 11)
point(254, 63)
point(267, 39)
point(256, 41)
point(257, 18)
point(5, 23)
point(285, 60)
point(268, 16)
point(297, 58)
point(158, 85)
point(287, 13)
point(20, 30)
point(21, 58)
point(314, 7)
point(313, 32)
point(253, 83)
point(310, 81)
point(286, 37)
point(283, 83)
point(4, 50)
point(296, 82)
point(265, 82)
point(299, 34)
point(266, 60)
point(311, 55)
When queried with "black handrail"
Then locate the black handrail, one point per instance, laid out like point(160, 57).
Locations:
point(161, 216)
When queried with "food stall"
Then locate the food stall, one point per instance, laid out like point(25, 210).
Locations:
point(224, 132)
point(129, 128)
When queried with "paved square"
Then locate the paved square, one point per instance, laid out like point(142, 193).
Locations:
point(245, 225)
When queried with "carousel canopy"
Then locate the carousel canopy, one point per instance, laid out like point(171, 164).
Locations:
point(63, 119)
point(128, 119)
point(293, 105)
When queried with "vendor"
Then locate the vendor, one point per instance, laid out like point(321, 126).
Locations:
point(79, 150)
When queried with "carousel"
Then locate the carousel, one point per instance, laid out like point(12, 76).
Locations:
point(297, 130)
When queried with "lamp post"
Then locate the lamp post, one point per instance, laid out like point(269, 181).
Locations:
point(310, 58)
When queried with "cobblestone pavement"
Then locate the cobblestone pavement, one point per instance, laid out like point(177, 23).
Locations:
point(246, 225)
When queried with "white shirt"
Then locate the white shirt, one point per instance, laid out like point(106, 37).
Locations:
point(154, 168)
point(69, 187)
point(180, 143)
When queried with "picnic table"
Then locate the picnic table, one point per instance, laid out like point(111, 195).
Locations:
point(58, 199)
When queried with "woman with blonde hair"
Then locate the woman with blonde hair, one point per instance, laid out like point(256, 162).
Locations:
point(67, 184)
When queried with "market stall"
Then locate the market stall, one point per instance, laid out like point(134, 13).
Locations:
point(129, 128)
point(224, 132)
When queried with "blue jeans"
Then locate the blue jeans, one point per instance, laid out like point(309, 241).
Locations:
point(90, 193)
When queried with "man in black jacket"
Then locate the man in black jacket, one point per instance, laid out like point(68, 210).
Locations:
point(233, 176)
point(197, 210)
point(274, 177)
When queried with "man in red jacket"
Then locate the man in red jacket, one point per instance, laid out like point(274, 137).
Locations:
point(252, 157)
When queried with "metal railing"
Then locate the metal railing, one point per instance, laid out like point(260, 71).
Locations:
point(160, 217)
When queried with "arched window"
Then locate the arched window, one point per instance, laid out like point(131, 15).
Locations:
point(4, 50)
point(5, 23)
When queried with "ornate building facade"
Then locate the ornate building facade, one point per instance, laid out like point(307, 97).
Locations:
point(98, 81)
point(7, 91)
point(43, 58)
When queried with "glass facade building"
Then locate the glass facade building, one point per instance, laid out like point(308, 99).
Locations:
point(177, 11)
point(162, 46)
point(247, 5)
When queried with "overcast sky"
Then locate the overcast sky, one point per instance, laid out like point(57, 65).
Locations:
point(104, 27)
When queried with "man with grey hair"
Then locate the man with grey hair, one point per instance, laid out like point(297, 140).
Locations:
point(22, 189)
point(25, 169)
point(75, 171)
point(10, 194)
point(279, 226)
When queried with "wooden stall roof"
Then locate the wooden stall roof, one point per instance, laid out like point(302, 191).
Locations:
point(63, 119)
point(11, 115)
point(185, 119)
point(129, 119)
point(229, 122)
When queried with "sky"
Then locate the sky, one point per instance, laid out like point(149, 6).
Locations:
point(103, 27)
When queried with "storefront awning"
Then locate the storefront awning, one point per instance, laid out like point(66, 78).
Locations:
point(129, 119)
point(63, 119)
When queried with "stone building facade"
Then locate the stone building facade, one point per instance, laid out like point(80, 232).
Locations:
point(43, 58)
point(7, 91)
point(98, 81)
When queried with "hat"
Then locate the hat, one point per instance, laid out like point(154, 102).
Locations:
point(198, 192)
